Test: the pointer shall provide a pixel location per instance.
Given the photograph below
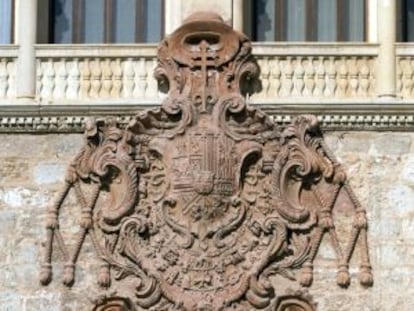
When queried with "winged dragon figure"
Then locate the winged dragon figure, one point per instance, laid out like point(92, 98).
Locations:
point(205, 203)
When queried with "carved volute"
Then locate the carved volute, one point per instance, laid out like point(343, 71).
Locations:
point(204, 203)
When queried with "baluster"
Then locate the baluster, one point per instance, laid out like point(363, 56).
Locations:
point(48, 80)
point(353, 76)
point(309, 78)
point(259, 94)
point(287, 82)
point(117, 79)
point(106, 85)
point(399, 77)
point(85, 85)
point(404, 75)
point(96, 74)
point(363, 77)
point(275, 74)
point(128, 79)
point(264, 76)
point(61, 80)
point(73, 81)
point(372, 76)
point(343, 79)
point(407, 78)
point(39, 77)
point(298, 80)
point(42, 69)
point(331, 84)
point(140, 79)
point(320, 78)
point(3, 78)
point(11, 70)
point(411, 62)
point(152, 88)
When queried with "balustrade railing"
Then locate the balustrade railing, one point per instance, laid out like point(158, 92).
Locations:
point(316, 71)
point(8, 59)
point(96, 73)
point(405, 70)
point(296, 72)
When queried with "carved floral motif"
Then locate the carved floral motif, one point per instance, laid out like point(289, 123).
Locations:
point(208, 202)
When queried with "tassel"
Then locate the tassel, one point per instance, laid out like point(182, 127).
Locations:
point(104, 278)
point(46, 274)
point(343, 278)
point(365, 276)
point(306, 275)
point(69, 274)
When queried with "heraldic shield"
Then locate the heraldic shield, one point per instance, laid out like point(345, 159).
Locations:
point(205, 203)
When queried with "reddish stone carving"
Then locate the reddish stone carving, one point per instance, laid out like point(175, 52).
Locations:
point(209, 205)
point(113, 304)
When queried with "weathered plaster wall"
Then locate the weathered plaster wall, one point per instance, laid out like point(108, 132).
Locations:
point(381, 167)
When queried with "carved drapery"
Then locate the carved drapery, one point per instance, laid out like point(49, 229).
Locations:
point(207, 204)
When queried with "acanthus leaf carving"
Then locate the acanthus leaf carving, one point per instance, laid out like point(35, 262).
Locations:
point(205, 202)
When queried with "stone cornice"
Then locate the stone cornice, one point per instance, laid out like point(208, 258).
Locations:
point(343, 116)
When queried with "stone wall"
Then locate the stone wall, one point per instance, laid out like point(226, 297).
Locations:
point(381, 170)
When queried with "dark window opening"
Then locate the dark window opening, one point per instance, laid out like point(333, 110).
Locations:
point(106, 21)
point(6, 21)
point(405, 20)
point(308, 20)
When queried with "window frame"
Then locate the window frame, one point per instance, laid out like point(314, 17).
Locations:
point(78, 22)
point(280, 31)
point(402, 26)
point(12, 22)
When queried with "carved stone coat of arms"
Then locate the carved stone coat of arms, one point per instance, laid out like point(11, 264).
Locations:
point(205, 203)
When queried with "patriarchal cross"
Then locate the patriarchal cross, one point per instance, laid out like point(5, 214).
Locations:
point(202, 56)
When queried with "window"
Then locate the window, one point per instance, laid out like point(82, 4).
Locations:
point(6, 21)
point(106, 21)
point(405, 20)
point(308, 20)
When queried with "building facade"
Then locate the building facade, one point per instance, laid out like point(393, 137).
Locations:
point(349, 62)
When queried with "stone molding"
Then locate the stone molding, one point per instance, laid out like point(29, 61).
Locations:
point(66, 98)
point(377, 116)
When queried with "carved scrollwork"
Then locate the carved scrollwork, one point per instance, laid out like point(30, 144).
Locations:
point(113, 304)
point(205, 203)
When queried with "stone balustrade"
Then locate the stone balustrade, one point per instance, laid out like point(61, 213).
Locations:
point(8, 59)
point(85, 73)
point(405, 70)
point(69, 74)
point(316, 70)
